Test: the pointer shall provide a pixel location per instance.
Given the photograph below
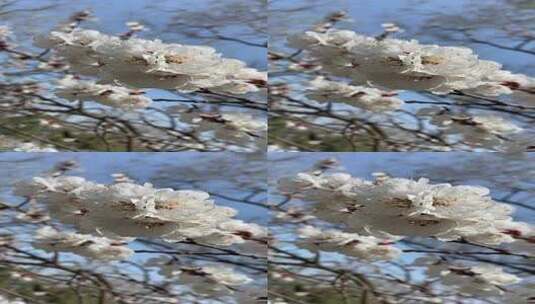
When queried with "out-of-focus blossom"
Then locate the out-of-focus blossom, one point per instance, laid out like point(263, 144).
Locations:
point(480, 279)
point(368, 98)
point(33, 215)
point(391, 27)
point(135, 26)
point(5, 32)
point(86, 90)
point(244, 126)
point(474, 129)
point(495, 125)
point(294, 215)
point(235, 127)
point(4, 300)
point(352, 244)
point(210, 279)
point(50, 239)
point(32, 147)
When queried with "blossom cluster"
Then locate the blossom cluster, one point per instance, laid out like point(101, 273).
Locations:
point(482, 124)
point(474, 129)
point(211, 279)
point(471, 279)
point(33, 147)
point(18, 146)
point(5, 32)
point(232, 127)
point(399, 207)
point(74, 89)
point(50, 239)
point(126, 209)
point(368, 98)
point(352, 244)
point(4, 300)
point(151, 63)
point(402, 64)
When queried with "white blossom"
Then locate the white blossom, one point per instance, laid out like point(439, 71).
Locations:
point(401, 64)
point(33, 215)
point(282, 275)
point(391, 27)
point(210, 279)
point(224, 234)
point(277, 148)
point(244, 122)
point(235, 127)
point(4, 300)
point(86, 90)
point(50, 239)
point(5, 32)
point(353, 244)
point(511, 81)
point(151, 63)
point(277, 301)
point(131, 210)
point(244, 230)
point(305, 180)
point(493, 275)
point(367, 98)
point(33, 147)
point(495, 125)
point(475, 129)
point(56, 184)
point(471, 279)
point(399, 207)
point(135, 26)
point(294, 215)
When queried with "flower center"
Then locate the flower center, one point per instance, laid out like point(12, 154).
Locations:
point(441, 202)
point(400, 202)
point(167, 205)
point(432, 60)
point(394, 61)
point(177, 59)
point(137, 60)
